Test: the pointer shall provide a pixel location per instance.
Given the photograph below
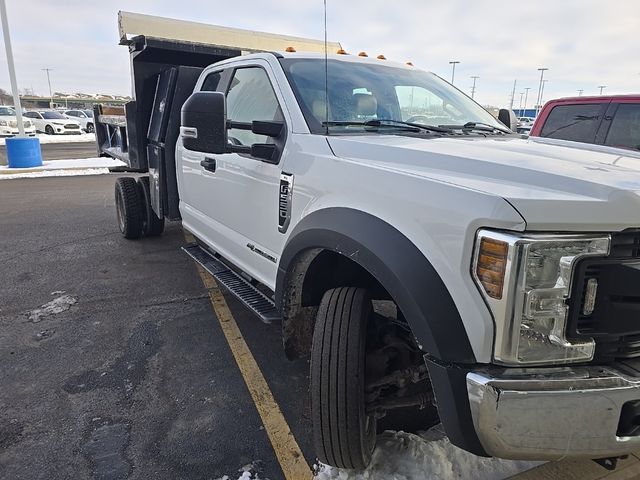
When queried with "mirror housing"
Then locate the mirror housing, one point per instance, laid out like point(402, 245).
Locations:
point(508, 118)
point(204, 122)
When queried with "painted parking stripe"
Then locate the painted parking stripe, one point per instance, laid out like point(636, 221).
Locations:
point(292, 461)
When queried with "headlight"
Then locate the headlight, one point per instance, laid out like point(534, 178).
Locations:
point(3, 123)
point(526, 281)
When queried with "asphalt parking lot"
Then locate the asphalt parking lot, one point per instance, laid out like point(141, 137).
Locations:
point(132, 377)
point(114, 364)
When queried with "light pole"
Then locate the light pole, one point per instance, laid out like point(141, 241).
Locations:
point(49, 82)
point(601, 87)
point(526, 96)
point(12, 70)
point(580, 90)
point(520, 105)
point(513, 94)
point(473, 87)
point(542, 93)
point(453, 69)
point(541, 70)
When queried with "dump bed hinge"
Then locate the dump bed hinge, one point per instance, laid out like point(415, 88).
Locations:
point(242, 289)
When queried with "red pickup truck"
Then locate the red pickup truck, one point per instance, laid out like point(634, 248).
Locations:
point(603, 120)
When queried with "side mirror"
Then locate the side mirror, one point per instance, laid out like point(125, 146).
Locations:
point(204, 122)
point(508, 118)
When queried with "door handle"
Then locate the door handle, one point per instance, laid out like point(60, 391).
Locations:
point(209, 164)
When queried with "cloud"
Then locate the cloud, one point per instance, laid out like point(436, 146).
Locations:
point(584, 43)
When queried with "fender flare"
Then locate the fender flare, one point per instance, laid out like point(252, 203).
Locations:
point(396, 263)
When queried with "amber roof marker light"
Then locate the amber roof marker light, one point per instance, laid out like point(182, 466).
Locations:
point(363, 54)
point(290, 50)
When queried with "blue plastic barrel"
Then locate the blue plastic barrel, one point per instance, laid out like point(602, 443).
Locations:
point(23, 152)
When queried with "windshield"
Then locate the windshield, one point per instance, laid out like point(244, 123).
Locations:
point(7, 111)
point(88, 113)
point(53, 116)
point(360, 92)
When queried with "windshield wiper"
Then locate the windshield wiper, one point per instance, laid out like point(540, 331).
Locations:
point(479, 126)
point(388, 123)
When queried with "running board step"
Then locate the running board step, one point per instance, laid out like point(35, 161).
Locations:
point(250, 296)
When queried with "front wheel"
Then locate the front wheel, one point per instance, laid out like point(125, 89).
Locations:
point(344, 435)
point(49, 130)
point(90, 128)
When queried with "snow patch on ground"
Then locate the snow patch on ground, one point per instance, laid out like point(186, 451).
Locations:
point(44, 138)
point(405, 456)
point(55, 306)
point(58, 168)
point(57, 173)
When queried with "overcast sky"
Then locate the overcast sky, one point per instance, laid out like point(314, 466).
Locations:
point(584, 43)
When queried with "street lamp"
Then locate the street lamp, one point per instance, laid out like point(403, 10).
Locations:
point(473, 87)
point(601, 87)
point(49, 82)
point(542, 93)
point(12, 71)
point(520, 104)
point(526, 96)
point(541, 70)
point(453, 69)
point(580, 90)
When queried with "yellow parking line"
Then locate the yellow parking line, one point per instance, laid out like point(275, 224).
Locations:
point(292, 462)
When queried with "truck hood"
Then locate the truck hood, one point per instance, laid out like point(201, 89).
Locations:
point(554, 185)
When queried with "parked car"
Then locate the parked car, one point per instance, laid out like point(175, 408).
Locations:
point(525, 124)
point(9, 123)
point(603, 120)
point(84, 117)
point(52, 122)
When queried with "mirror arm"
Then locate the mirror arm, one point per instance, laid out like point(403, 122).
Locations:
point(239, 149)
point(239, 125)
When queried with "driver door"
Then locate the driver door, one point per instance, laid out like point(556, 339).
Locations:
point(233, 198)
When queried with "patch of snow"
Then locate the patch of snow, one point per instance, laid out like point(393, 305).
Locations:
point(57, 168)
point(55, 306)
point(44, 138)
point(405, 456)
point(58, 292)
point(56, 173)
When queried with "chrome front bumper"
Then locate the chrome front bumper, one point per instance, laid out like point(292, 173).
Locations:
point(545, 414)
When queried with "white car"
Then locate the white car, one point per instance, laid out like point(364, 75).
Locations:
point(52, 122)
point(9, 123)
point(84, 117)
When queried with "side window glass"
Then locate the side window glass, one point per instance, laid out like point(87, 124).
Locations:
point(625, 127)
point(251, 97)
point(578, 123)
point(212, 82)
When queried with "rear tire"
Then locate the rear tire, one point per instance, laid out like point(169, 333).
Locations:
point(344, 435)
point(129, 207)
point(152, 225)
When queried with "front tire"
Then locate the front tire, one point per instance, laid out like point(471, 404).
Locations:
point(152, 225)
point(49, 130)
point(344, 435)
point(90, 128)
point(129, 207)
